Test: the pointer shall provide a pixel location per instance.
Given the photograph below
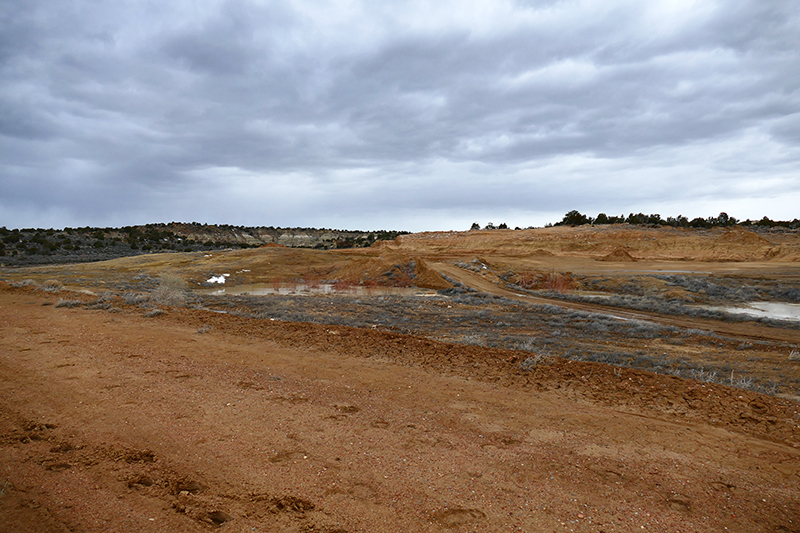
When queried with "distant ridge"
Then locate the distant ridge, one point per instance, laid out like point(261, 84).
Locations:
point(32, 246)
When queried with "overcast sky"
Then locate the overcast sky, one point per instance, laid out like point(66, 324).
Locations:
point(396, 115)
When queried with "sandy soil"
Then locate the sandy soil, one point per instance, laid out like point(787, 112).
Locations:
point(117, 422)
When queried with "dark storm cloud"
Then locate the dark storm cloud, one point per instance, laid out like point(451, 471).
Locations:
point(110, 110)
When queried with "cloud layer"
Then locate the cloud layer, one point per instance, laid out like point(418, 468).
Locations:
point(407, 115)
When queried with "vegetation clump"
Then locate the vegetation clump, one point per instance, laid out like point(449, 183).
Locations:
point(30, 246)
point(171, 290)
point(576, 218)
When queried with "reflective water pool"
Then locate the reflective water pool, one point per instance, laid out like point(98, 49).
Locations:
point(265, 289)
point(781, 311)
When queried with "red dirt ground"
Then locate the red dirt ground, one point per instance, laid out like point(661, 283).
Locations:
point(117, 422)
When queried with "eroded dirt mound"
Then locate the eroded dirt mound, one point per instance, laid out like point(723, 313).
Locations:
point(619, 255)
point(392, 270)
point(427, 277)
point(742, 236)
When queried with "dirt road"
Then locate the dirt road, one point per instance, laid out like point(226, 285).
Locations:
point(117, 422)
point(737, 329)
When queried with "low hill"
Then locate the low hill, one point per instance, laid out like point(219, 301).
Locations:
point(29, 246)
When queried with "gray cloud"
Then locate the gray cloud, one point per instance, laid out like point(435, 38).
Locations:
point(400, 113)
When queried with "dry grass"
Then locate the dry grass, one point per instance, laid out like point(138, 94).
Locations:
point(533, 361)
point(52, 285)
point(171, 290)
point(23, 283)
point(558, 282)
point(68, 303)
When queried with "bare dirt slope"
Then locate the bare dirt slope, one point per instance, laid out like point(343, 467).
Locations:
point(599, 242)
point(116, 422)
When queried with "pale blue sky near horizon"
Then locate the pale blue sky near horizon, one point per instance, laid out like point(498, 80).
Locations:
point(396, 115)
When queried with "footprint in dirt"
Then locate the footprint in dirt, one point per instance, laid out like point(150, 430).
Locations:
point(608, 474)
point(679, 502)
point(291, 504)
point(451, 518)
point(58, 467)
point(283, 457)
point(219, 517)
point(294, 400)
point(188, 485)
point(64, 447)
point(249, 385)
point(363, 491)
point(141, 480)
point(32, 431)
point(722, 486)
point(348, 409)
point(135, 456)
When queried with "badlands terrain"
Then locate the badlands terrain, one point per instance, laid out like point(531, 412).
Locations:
point(613, 378)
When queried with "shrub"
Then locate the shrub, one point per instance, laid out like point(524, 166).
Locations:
point(702, 375)
point(173, 281)
point(472, 340)
point(573, 218)
point(742, 382)
point(171, 290)
point(134, 298)
point(531, 362)
point(557, 282)
point(528, 345)
point(68, 303)
point(52, 285)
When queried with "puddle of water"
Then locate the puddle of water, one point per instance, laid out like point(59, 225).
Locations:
point(781, 311)
point(264, 289)
point(659, 271)
point(594, 296)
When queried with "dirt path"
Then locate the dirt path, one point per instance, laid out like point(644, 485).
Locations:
point(116, 422)
point(737, 329)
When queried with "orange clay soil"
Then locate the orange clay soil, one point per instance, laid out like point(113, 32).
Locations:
point(117, 422)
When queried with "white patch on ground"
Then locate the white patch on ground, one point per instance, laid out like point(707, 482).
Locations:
point(781, 311)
